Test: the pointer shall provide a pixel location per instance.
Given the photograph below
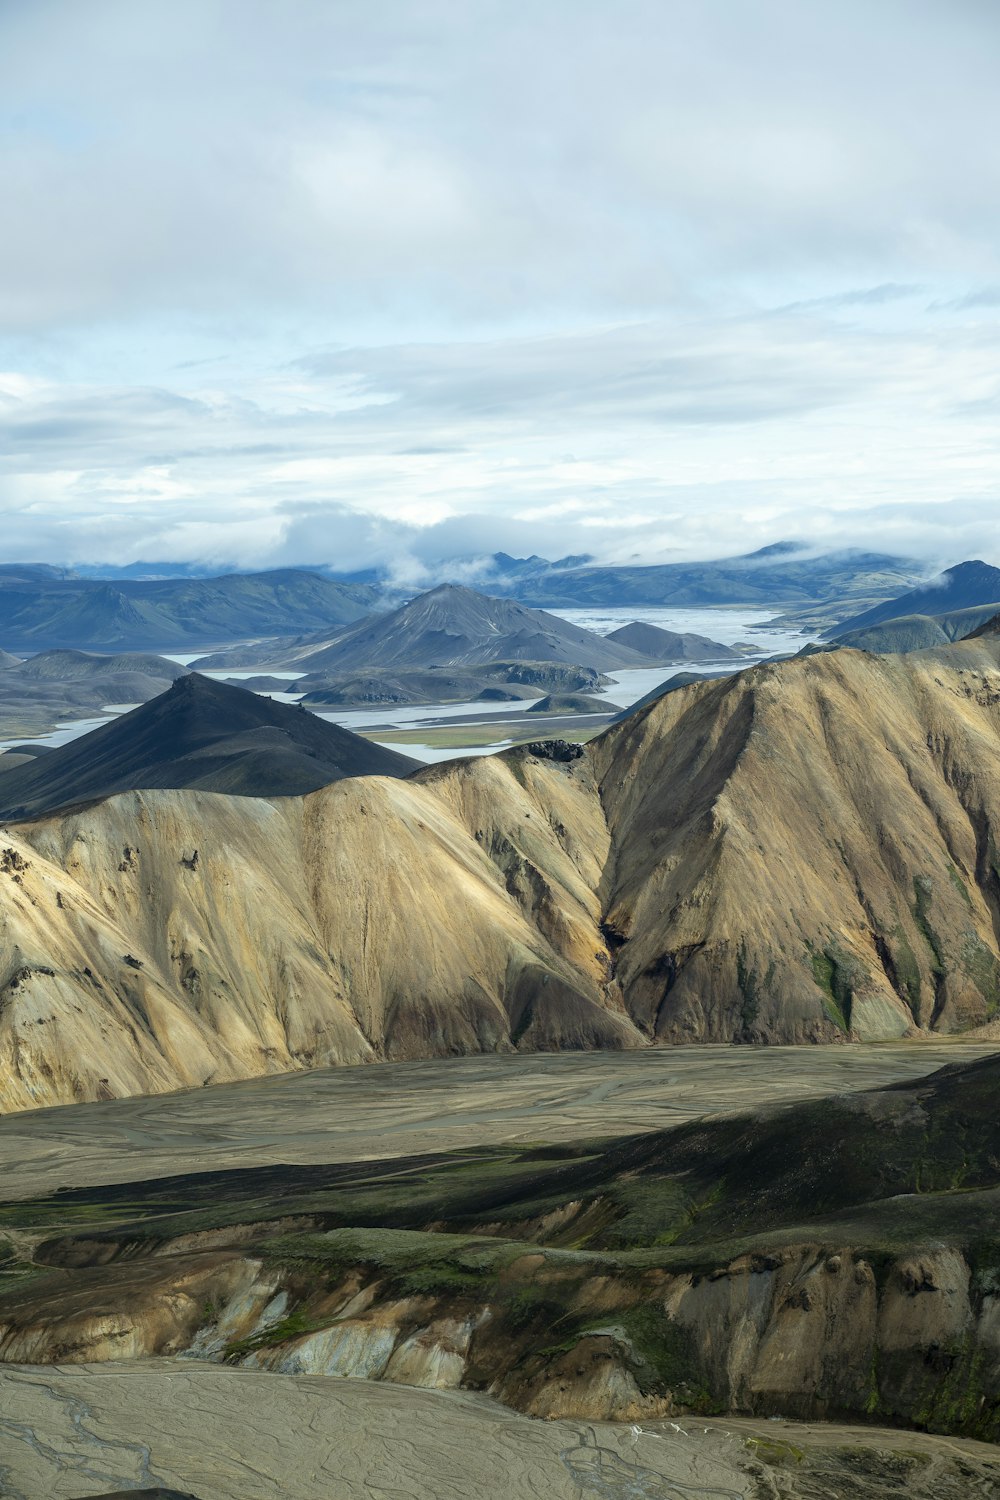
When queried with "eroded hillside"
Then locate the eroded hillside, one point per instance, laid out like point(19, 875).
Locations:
point(803, 852)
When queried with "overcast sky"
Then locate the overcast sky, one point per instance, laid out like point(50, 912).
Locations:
point(377, 281)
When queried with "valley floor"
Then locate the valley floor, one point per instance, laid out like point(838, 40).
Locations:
point(403, 1109)
point(222, 1434)
point(68, 1432)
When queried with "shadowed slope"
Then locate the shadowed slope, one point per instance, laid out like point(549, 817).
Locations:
point(199, 734)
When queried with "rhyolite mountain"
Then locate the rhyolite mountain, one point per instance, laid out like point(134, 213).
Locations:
point(968, 585)
point(40, 610)
point(202, 734)
point(803, 851)
point(452, 626)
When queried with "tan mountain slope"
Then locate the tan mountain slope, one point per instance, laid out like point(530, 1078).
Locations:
point(808, 845)
point(804, 851)
point(162, 939)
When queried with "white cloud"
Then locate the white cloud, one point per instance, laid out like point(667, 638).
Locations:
point(660, 280)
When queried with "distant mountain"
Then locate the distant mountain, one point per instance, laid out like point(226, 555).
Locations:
point(570, 703)
point(918, 632)
point(505, 566)
point(70, 666)
point(988, 630)
point(32, 573)
point(494, 571)
point(452, 626)
point(37, 612)
point(200, 734)
point(45, 690)
point(668, 646)
point(783, 575)
point(150, 570)
point(495, 682)
point(963, 587)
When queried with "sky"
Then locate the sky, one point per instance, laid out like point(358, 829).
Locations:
point(379, 283)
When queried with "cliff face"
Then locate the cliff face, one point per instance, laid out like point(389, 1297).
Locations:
point(804, 852)
point(810, 1331)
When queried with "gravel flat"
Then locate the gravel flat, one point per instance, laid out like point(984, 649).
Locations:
point(352, 1114)
point(67, 1433)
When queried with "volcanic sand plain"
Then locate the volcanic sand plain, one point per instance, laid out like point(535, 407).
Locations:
point(224, 1434)
point(402, 1109)
point(68, 1432)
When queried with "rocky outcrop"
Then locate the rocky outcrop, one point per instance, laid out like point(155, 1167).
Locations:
point(814, 1332)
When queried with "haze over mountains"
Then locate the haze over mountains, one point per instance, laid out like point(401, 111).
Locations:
point(786, 573)
point(43, 606)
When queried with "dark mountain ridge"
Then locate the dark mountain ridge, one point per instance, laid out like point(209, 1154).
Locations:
point(784, 574)
point(200, 734)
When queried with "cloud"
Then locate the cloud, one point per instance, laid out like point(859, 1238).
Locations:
point(649, 440)
point(386, 283)
point(479, 160)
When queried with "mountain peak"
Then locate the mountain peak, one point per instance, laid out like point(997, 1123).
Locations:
point(199, 733)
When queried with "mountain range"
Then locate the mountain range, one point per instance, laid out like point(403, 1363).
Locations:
point(784, 574)
point(171, 605)
point(42, 608)
point(801, 852)
point(454, 627)
point(457, 627)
